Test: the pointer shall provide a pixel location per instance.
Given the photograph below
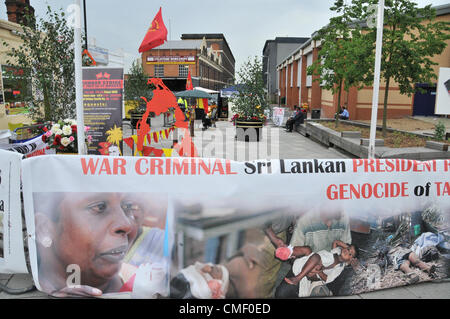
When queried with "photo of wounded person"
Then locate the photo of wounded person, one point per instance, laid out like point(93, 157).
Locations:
point(403, 249)
point(223, 251)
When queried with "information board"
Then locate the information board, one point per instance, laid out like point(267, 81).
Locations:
point(102, 102)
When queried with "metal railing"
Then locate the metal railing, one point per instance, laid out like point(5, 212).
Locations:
point(27, 132)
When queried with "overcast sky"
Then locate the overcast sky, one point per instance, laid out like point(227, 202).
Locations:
point(246, 24)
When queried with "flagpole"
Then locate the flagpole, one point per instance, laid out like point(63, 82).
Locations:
point(170, 38)
point(376, 81)
point(85, 24)
point(79, 81)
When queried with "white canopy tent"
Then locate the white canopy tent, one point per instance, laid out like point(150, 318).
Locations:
point(206, 90)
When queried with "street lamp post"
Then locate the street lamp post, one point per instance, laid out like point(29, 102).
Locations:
point(85, 25)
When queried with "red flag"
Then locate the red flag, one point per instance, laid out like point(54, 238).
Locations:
point(104, 148)
point(205, 106)
point(129, 141)
point(149, 151)
point(156, 34)
point(189, 85)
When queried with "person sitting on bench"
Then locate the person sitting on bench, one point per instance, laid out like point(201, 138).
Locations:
point(344, 115)
point(296, 118)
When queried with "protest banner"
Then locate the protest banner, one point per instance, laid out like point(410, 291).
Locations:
point(348, 226)
point(12, 254)
point(102, 103)
point(30, 148)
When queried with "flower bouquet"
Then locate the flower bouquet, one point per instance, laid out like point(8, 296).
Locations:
point(253, 117)
point(305, 106)
point(62, 136)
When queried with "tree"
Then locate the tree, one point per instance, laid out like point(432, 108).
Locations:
point(251, 101)
point(345, 58)
point(411, 37)
point(136, 84)
point(45, 57)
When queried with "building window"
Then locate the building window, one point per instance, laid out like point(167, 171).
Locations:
point(299, 73)
point(292, 74)
point(159, 70)
point(309, 62)
point(183, 71)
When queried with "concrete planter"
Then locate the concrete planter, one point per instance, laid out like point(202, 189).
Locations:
point(437, 146)
point(248, 130)
point(378, 142)
point(359, 147)
point(351, 134)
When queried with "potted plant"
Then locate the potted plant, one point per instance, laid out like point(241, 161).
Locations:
point(250, 103)
point(137, 113)
point(135, 87)
point(62, 136)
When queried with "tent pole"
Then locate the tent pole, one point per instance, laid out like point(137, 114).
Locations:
point(376, 81)
point(79, 81)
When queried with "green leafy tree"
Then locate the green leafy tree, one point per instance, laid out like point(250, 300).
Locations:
point(250, 102)
point(46, 58)
point(345, 58)
point(136, 84)
point(439, 131)
point(411, 38)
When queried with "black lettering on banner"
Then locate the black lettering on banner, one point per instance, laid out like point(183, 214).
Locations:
point(420, 190)
point(313, 167)
point(2, 203)
point(33, 146)
point(251, 167)
point(258, 167)
point(23, 149)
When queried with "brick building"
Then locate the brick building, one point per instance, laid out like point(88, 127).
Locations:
point(296, 87)
point(17, 10)
point(207, 56)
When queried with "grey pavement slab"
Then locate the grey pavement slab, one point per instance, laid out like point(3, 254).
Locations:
point(393, 293)
point(434, 290)
point(427, 290)
point(276, 143)
point(430, 290)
